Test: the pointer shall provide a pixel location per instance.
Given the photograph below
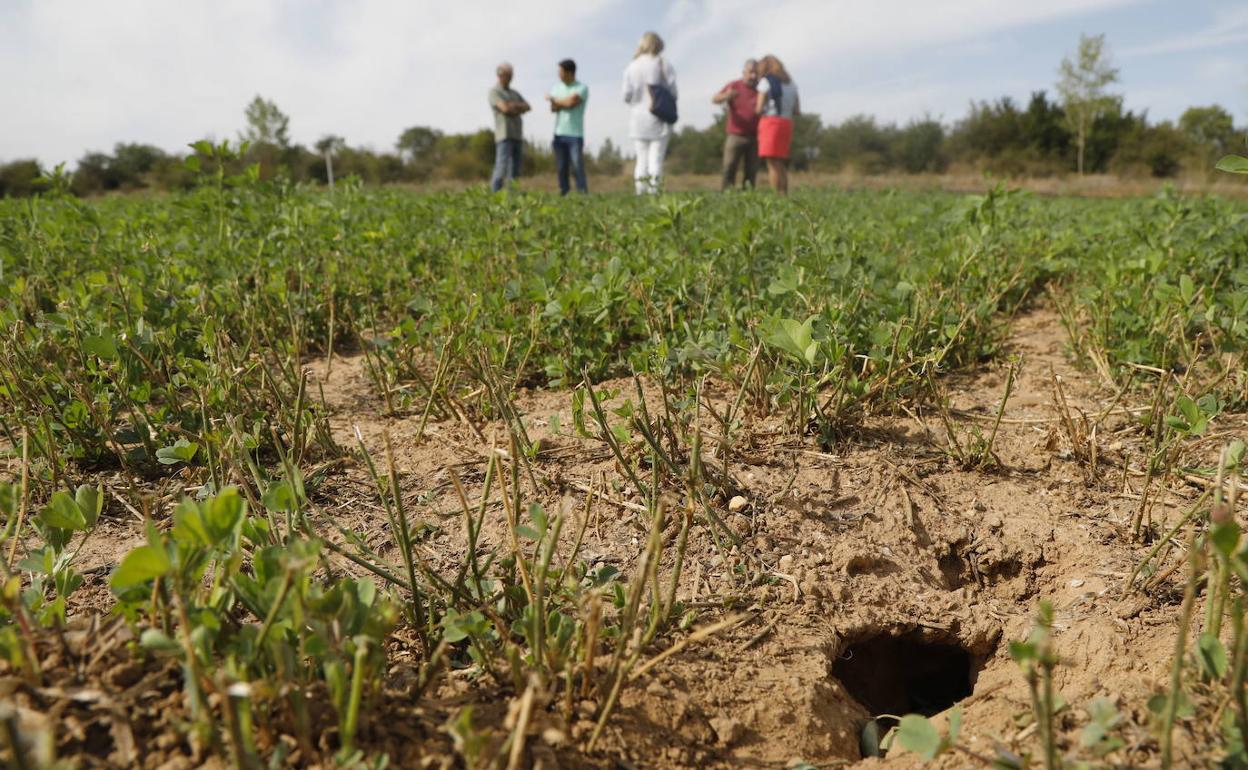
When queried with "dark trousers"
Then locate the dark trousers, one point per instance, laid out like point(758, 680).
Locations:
point(506, 162)
point(739, 151)
point(570, 158)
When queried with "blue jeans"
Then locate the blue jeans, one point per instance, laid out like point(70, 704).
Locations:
point(506, 162)
point(570, 154)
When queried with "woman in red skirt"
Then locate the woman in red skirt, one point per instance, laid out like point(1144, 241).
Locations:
point(778, 105)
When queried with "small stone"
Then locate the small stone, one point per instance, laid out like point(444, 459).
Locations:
point(586, 709)
point(786, 563)
point(1076, 583)
point(728, 730)
point(737, 503)
point(554, 737)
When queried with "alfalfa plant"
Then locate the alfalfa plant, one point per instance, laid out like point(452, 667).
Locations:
point(1037, 658)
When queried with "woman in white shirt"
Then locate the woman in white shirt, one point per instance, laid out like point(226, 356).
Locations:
point(649, 134)
point(778, 105)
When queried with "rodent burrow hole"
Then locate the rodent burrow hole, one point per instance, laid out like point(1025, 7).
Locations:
point(911, 672)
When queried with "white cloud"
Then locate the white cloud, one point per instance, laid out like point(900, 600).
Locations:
point(1230, 27)
point(167, 72)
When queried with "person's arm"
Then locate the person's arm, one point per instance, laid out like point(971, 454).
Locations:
point(567, 102)
point(761, 105)
point(630, 93)
point(723, 95)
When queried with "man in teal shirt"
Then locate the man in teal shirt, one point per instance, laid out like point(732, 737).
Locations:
point(567, 100)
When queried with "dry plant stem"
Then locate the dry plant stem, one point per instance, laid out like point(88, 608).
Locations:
point(515, 759)
point(398, 526)
point(1191, 513)
point(1217, 585)
point(443, 365)
point(21, 510)
point(630, 634)
point(996, 425)
point(943, 410)
point(609, 438)
point(1240, 648)
point(12, 733)
point(694, 637)
point(1180, 650)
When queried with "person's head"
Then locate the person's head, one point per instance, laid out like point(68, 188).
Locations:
point(650, 43)
point(769, 65)
point(504, 73)
point(749, 72)
point(567, 70)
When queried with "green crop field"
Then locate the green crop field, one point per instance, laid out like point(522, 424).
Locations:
point(326, 477)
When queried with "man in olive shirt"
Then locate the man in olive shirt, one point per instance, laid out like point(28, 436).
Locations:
point(508, 105)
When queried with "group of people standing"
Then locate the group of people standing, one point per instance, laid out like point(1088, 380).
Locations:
point(761, 107)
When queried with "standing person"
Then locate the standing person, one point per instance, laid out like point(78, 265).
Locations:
point(507, 105)
point(567, 100)
point(741, 143)
point(650, 133)
point(778, 105)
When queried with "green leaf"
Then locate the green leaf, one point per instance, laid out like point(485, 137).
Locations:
point(1234, 454)
point(1235, 164)
point(104, 347)
point(796, 339)
point(1022, 651)
point(1212, 656)
point(223, 512)
point(1187, 289)
point(144, 563)
point(955, 725)
point(918, 734)
point(279, 497)
point(90, 502)
point(182, 451)
point(1225, 537)
point(155, 640)
point(63, 512)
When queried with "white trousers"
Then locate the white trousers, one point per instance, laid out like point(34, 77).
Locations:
point(648, 171)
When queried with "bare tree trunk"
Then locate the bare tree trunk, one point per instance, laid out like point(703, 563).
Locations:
point(329, 170)
point(1081, 142)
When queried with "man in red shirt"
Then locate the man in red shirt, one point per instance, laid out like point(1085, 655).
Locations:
point(741, 144)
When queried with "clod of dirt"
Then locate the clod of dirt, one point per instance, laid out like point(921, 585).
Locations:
point(728, 730)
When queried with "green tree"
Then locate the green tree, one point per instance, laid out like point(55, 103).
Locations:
point(266, 124)
point(919, 147)
point(1210, 132)
point(858, 142)
point(608, 161)
point(417, 142)
point(1043, 125)
point(20, 178)
point(419, 146)
point(807, 128)
point(1082, 84)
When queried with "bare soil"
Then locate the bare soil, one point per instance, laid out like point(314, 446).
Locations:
point(895, 577)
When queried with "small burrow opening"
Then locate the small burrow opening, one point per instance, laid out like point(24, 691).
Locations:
point(909, 673)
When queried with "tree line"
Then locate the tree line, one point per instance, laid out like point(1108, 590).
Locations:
point(1081, 129)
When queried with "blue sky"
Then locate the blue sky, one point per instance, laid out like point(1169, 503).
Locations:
point(86, 74)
